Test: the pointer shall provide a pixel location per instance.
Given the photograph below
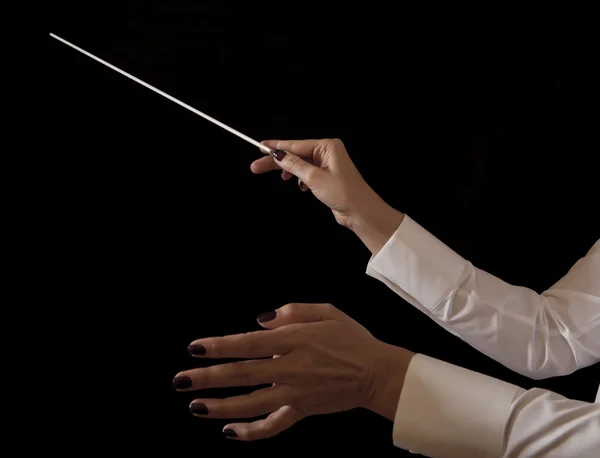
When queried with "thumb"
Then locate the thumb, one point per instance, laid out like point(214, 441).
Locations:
point(296, 166)
point(300, 313)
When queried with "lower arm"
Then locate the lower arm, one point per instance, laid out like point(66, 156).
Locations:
point(391, 371)
point(375, 224)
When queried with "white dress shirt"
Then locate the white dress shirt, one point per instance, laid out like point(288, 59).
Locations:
point(447, 411)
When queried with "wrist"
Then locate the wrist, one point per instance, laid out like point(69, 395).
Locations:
point(390, 372)
point(375, 223)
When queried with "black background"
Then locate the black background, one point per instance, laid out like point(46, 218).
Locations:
point(138, 226)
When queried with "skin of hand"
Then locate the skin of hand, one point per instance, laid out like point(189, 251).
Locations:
point(324, 167)
point(316, 359)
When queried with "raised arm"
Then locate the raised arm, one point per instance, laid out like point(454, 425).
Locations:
point(538, 335)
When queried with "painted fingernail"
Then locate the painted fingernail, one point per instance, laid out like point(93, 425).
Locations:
point(198, 408)
point(278, 154)
point(303, 187)
point(181, 383)
point(267, 316)
point(197, 350)
point(229, 433)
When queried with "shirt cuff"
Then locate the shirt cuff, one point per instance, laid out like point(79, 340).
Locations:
point(418, 263)
point(445, 410)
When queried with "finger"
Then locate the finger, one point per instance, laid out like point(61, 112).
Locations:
point(303, 148)
point(298, 167)
point(254, 404)
point(300, 313)
point(277, 422)
point(263, 165)
point(268, 164)
point(302, 186)
point(241, 373)
point(257, 344)
point(285, 176)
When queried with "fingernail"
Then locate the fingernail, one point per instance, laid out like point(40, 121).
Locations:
point(198, 408)
point(229, 433)
point(197, 350)
point(181, 383)
point(267, 316)
point(278, 154)
point(302, 186)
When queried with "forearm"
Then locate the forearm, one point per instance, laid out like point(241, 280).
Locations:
point(375, 223)
point(391, 371)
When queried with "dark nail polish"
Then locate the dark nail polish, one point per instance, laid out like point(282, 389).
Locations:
point(181, 383)
point(197, 350)
point(229, 433)
point(198, 408)
point(303, 186)
point(278, 154)
point(267, 316)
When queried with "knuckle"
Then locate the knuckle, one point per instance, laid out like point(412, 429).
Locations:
point(265, 430)
point(223, 346)
point(333, 147)
point(247, 345)
point(310, 176)
point(293, 162)
point(236, 342)
point(329, 307)
point(209, 375)
point(335, 142)
point(289, 309)
point(212, 346)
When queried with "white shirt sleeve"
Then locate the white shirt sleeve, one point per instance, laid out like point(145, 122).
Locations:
point(537, 335)
point(445, 410)
point(448, 411)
